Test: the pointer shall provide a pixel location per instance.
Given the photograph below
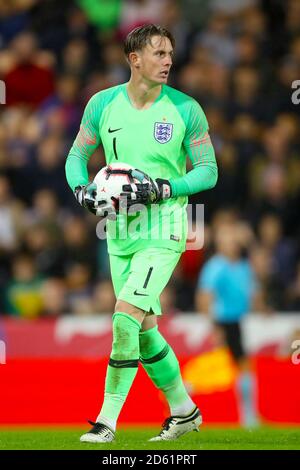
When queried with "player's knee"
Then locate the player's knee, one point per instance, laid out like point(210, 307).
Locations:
point(137, 313)
point(125, 337)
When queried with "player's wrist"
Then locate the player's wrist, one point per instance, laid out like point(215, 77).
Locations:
point(86, 196)
point(164, 187)
point(79, 194)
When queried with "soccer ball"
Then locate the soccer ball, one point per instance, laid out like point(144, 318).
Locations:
point(111, 179)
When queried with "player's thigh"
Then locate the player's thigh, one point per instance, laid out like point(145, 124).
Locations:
point(120, 269)
point(150, 271)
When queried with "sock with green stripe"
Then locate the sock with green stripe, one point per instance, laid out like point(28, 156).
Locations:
point(122, 367)
point(161, 364)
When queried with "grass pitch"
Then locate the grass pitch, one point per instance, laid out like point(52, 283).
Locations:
point(262, 438)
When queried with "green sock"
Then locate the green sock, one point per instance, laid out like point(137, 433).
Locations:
point(161, 364)
point(122, 367)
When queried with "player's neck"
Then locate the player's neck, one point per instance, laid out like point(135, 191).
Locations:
point(142, 95)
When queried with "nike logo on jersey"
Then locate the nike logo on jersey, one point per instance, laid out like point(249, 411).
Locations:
point(138, 293)
point(114, 130)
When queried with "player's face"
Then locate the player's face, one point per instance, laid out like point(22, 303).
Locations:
point(155, 60)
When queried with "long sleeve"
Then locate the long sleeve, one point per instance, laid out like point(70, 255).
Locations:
point(200, 150)
point(86, 142)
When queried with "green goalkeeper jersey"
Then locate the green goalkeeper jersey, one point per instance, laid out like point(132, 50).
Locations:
point(156, 140)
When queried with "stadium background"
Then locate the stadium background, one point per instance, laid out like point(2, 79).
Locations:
point(238, 59)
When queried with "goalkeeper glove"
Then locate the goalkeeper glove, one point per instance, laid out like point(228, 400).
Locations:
point(98, 204)
point(164, 186)
point(148, 191)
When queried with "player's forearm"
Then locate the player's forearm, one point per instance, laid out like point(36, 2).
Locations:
point(204, 175)
point(85, 144)
point(201, 178)
point(76, 171)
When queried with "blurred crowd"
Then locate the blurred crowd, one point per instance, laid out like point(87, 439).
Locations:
point(237, 58)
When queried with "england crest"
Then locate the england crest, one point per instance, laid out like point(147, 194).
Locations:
point(163, 132)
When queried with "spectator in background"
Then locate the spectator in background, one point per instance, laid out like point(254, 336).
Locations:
point(275, 199)
point(30, 79)
point(232, 8)
point(22, 132)
point(194, 80)
point(230, 189)
point(135, 13)
point(253, 23)
point(292, 17)
point(104, 14)
point(10, 231)
point(79, 291)
point(48, 169)
point(14, 18)
point(218, 40)
point(46, 210)
point(45, 248)
point(283, 252)
point(246, 141)
point(116, 67)
point(248, 52)
point(54, 297)
point(78, 244)
point(271, 296)
point(103, 297)
point(49, 23)
point(10, 211)
point(23, 293)
point(75, 58)
point(227, 290)
point(247, 96)
point(66, 102)
point(294, 293)
point(275, 151)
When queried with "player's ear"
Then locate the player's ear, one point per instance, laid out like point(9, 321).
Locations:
point(134, 59)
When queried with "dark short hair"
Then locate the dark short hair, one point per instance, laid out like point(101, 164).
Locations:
point(139, 37)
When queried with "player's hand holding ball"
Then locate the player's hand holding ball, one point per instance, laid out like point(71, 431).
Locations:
point(95, 201)
point(120, 186)
point(148, 191)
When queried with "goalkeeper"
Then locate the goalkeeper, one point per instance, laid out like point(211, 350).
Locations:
point(152, 127)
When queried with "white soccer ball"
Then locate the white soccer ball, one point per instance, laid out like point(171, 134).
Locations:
point(111, 179)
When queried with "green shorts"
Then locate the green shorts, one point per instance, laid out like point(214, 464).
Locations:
point(139, 278)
